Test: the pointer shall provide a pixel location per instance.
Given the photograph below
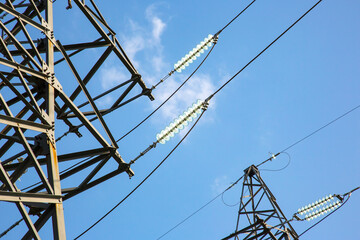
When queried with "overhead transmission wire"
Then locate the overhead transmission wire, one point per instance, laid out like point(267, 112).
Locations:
point(10, 228)
point(279, 169)
point(201, 208)
point(266, 48)
point(130, 193)
point(314, 132)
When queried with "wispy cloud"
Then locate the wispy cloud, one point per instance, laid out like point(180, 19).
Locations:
point(146, 39)
point(220, 184)
point(158, 25)
point(106, 101)
point(198, 87)
point(112, 76)
point(133, 45)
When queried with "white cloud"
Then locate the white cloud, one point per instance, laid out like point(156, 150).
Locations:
point(105, 101)
point(158, 26)
point(112, 76)
point(198, 87)
point(158, 63)
point(132, 46)
point(146, 39)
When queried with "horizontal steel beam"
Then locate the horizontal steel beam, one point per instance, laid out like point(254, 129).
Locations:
point(29, 197)
point(23, 69)
point(78, 46)
point(66, 157)
point(17, 122)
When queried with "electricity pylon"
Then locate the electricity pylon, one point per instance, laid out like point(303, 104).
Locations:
point(33, 103)
point(259, 216)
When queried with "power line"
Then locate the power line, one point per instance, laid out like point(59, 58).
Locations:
point(129, 194)
point(201, 208)
point(266, 48)
point(319, 129)
point(235, 17)
point(10, 228)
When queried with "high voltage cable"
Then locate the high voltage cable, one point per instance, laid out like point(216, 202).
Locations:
point(215, 36)
point(201, 208)
point(129, 194)
point(235, 17)
point(314, 132)
point(282, 168)
point(266, 48)
point(10, 228)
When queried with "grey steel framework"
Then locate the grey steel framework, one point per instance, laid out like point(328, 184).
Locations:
point(259, 216)
point(32, 100)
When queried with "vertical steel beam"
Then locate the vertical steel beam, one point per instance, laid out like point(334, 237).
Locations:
point(53, 167)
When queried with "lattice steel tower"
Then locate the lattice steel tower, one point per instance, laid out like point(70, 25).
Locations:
point(33, 103)
point(259, 215)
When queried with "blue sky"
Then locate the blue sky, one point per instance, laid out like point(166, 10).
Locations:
point(308, 78)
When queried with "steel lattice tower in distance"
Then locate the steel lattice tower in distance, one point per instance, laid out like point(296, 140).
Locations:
point(259, 216)
point(35, 99)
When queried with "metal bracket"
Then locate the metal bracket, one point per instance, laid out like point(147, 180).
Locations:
point(41, 142)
